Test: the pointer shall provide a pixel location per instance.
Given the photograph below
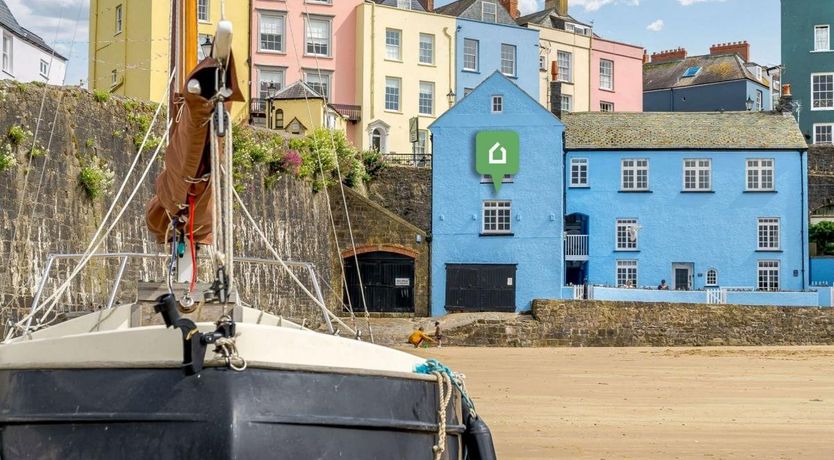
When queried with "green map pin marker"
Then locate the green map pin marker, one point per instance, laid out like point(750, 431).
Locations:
point(497, 154)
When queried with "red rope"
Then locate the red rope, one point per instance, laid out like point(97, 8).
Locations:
point(192, 244)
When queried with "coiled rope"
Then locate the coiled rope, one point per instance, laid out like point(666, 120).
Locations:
point(446, 380)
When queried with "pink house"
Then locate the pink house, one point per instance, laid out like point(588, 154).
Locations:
point(616, 76)
point(310, 40)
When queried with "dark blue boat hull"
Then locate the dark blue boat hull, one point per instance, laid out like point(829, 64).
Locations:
point(219, 414)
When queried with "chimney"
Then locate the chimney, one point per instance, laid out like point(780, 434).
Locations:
point(555, 91)
point(645, 57)
point(740, 48)
point(561, 6)
point(785, 104)
point(669, 55)
point(428, 5)
point(511, 6)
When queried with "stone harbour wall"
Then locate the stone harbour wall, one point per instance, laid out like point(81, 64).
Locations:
point(44, 209)
point(583, 323)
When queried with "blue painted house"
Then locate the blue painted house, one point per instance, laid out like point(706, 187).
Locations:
point(699, 200)
point(488, 40)
point(722, 80)
point(496, 249)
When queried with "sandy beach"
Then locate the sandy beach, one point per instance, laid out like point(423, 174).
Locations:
point(652, 403)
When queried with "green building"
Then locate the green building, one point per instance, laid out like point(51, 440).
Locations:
point(808, 60)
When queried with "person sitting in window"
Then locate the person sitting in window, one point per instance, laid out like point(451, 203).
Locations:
point(663, 286)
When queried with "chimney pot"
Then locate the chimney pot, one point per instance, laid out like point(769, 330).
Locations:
point(511, 6)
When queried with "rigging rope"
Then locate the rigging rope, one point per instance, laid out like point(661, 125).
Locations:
point(444, 394)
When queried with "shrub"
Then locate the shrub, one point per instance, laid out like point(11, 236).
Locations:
point(18, 134)
point(37, 152)
point(291, 162)
point(7, 158)
point(100, 95)
point(95, 178)
point(374, 163)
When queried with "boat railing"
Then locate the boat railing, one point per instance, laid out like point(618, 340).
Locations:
point(123, 258)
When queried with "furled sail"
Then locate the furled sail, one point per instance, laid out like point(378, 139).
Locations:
point(185, 177)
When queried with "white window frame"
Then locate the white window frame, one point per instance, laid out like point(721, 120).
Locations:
point(263, 84)
point(768, 274)
point(543, 63)
point(281, 33)
point(319, 76)
point(422, 142)
point(626, 235)
point(566, 107)
point(606, 106)
point(426, 53)
point(830, 127)
point(476, 43)
point(497, 217)
point(497, 105)
point(818, 43)
point(114, 77)
point(768, 234)
point(206, 5)
point(757, 172)
point(609, 76)
point(422, 100)
point(697, 169)
point(44, 69)
point(119, 19)
point(713, 273)
point(404, 4)
point(310, 40)
point(814, 93)
point(632, 169)
point(395, 99)
point(564, 75)
point(393, 51)
point(319, 2)
point(493, 14)
point(8, 53)
point(624, 268)
point(509, 59)
point(579, 173)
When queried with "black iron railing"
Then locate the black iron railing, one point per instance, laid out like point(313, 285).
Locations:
point(419, 160)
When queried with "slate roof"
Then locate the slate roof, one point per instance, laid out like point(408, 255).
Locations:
point(8, 22)
point(549, 18)
point(682, 130)
point(415, 4)
point(455, 8)
point(297, 90)
point(714, 69)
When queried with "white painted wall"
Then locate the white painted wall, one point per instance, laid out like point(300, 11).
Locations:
point(26, 61)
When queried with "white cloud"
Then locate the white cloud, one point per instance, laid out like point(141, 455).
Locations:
point(528, 6)
point(692, 2)
point(656, 26)
point(593, 5)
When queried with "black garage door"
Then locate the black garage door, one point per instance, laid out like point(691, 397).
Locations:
point(388, 279)
point(472, 287)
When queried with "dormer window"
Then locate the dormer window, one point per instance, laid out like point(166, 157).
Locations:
point(691, 71)
point(489, 12)
point(404, 4)
point(497, 104)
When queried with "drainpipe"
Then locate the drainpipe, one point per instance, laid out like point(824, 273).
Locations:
point(804, 219)
point(452, 49)
point(373, 56)
point(590, 70)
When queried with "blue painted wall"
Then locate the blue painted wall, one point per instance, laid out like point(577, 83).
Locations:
point(822, 270)
point(490, 37)
point(728, 96)
point(536, 194)
point(711, 230)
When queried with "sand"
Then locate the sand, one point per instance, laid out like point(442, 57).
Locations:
point(652, 403)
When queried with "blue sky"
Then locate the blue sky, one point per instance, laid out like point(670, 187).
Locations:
point(654, 24)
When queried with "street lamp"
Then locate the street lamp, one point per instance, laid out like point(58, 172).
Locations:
point(749, 104)
point(206, 47)
point(270, 93)
point(451, 97)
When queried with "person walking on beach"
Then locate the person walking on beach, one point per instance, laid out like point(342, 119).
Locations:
point(438, 334)
point(418, 337)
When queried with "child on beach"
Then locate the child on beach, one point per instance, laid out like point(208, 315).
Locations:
point(438, 334)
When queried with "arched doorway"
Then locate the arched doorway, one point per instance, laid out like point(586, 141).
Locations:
point(388, 279)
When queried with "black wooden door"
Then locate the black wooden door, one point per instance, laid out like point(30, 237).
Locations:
point(388, 279)
point(480, 287)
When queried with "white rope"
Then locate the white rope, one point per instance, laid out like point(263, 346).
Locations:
point(284, 265)
point(444, 393)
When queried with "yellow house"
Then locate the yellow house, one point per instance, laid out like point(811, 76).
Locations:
point(567, 43)
point(298, 109)
point(405, 63)
point(129, 50)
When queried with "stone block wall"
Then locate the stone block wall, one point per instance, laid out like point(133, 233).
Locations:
point(820, 176)
point(47, 210)
point(405, 191)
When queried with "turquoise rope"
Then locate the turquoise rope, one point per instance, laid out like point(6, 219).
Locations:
point(432, 365)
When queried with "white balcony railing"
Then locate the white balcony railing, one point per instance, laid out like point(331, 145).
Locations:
point(576, 247)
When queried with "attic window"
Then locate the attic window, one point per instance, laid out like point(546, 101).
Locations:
point(691, 72)
point(497, 104)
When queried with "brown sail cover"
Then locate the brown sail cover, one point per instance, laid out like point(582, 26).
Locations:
point(187, 158)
